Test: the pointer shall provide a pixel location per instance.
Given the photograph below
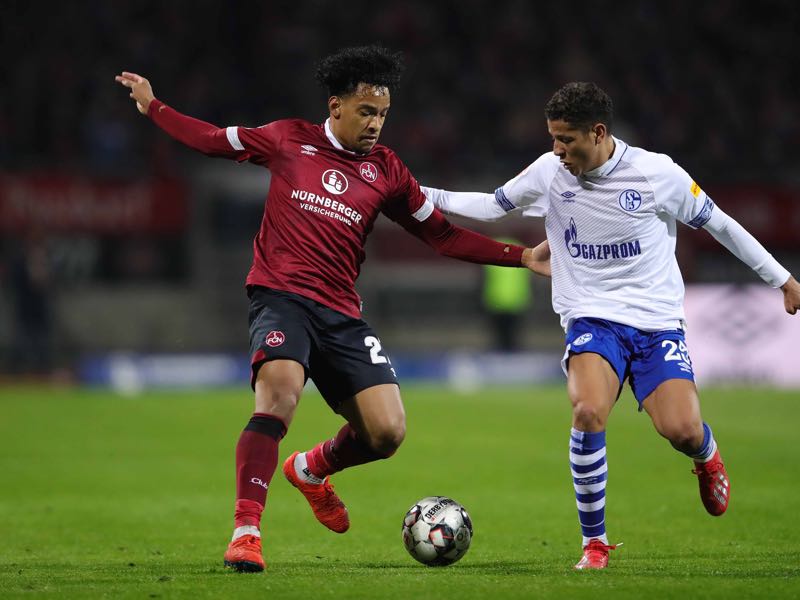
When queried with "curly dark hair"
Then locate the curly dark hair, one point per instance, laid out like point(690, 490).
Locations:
point(581, 104)
point(340, 73)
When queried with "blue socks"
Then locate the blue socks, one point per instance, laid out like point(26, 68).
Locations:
point(587, 459)
point(707, 448)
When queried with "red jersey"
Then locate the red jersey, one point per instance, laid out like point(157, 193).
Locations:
point(322, 203)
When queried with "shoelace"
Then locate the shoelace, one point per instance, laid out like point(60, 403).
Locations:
point(246, 540)
point(331, 497)
point(326, 493)
point(601, 547)
point(710, 469)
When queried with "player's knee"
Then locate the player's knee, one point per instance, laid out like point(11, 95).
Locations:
point(277, 396)
point(278, 388)
point(684, 436)
point(588, 416)
point(279, 400)
point(387, 439)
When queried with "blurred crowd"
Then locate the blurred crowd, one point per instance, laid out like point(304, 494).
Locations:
point(710, 83)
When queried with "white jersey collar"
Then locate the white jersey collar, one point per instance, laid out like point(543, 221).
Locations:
point(332, 138)
point(619, 149)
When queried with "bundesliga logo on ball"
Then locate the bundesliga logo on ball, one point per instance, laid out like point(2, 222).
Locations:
point(437, 531)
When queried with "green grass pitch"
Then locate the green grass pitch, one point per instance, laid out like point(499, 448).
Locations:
point(108, 496)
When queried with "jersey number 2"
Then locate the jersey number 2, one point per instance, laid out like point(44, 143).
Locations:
point(675, 351)
point(374, 345)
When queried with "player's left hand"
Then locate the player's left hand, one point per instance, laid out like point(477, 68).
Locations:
point(537, 259)
point(791, 295)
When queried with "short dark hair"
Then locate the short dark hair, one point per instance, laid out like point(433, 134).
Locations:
point(340, 73)
point(581, 104)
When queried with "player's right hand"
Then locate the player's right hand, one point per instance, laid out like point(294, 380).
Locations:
point(140, 90)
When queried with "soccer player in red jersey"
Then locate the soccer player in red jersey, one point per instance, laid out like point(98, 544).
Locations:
point(329, 182)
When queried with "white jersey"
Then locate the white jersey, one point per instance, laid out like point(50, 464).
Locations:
point(612, 233)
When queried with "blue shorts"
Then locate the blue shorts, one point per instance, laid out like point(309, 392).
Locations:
point(646, 358)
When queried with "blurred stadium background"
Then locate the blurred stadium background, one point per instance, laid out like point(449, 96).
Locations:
point(116, 241)
point(123, 256)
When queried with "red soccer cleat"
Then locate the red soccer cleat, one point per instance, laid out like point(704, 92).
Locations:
point(715, 487)
point(595, 555)
point(327, 507)
point(244, 554)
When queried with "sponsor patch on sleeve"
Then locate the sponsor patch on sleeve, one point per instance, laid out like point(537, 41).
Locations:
point(695, 189)
point(703, 216)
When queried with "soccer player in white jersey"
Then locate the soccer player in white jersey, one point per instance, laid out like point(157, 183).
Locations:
point(610, 214)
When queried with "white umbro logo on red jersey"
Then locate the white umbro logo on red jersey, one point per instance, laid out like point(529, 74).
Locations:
point(368, 171)
point(308, 149)
point(334, 181)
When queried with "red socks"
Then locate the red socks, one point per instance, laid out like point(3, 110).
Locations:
point(256, 460)
point(343, 451)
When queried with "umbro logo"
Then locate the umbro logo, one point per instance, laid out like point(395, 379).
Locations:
point(308, 149)
point(568, 196)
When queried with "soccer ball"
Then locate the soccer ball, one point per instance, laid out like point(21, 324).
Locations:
point(437, 531)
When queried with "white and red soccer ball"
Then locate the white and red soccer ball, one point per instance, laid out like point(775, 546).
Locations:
point(437, 531)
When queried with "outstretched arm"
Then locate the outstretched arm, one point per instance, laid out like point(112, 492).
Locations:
point(527, 192)
point(456, 242)
point(199, 135)
point(728, 232)
point(474, 205)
